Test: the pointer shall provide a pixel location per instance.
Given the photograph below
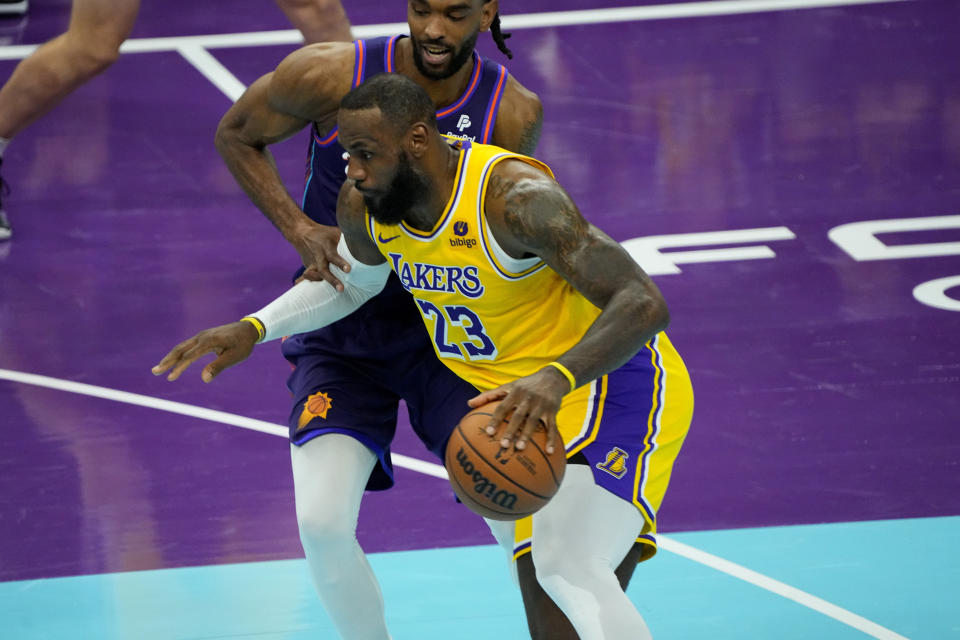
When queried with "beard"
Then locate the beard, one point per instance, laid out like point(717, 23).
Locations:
point(405, 191)
point(457, 60)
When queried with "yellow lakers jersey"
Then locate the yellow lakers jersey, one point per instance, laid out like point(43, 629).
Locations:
point(493, 318)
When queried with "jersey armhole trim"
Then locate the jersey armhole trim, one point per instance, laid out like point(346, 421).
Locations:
point(493, 107)
point(508, 267)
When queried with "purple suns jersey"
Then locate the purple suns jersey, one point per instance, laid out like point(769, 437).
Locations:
point(390, 320)
point(471, 116)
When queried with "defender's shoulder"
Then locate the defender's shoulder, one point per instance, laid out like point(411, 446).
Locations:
point(312, 80)
point(519, 119)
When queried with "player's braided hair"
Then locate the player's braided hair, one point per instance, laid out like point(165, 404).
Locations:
point(499, 36)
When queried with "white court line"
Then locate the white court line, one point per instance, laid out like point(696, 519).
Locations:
point(517, 21)
point(428, 468)
point(775, 586)
point(212, 69)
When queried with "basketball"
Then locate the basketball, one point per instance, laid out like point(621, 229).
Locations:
point(497, 483)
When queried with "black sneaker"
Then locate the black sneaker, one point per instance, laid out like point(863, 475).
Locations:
point(13, 7)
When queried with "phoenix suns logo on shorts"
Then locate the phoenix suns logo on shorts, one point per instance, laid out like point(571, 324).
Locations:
point(316, 406)
point(616, 463)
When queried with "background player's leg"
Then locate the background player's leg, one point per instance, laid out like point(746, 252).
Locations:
point(318, 20)
point(90, 45)
point(545, 620)
point(41, 80)
point(582, 534)
point(330, 474)
point(628, 566)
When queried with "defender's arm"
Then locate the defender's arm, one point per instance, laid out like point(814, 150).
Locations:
point(305, 88)
point(310, 304)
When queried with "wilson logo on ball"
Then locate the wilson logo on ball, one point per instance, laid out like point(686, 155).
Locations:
point(500, 483)
point(484, 486)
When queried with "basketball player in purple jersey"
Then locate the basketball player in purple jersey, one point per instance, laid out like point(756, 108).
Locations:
point(348, 378)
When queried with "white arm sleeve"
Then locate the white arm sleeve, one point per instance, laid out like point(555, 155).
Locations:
point(311, 305)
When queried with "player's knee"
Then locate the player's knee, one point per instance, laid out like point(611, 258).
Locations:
point(93, 55)
point(321, 529)
point(102, 56)
point(558, 565)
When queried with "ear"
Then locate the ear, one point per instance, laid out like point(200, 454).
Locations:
point(417, 139)
point(487, 13)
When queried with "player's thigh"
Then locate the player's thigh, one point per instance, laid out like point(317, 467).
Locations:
point(105, 23)
point(330, 474)
point(436, 399)
point(584, 520)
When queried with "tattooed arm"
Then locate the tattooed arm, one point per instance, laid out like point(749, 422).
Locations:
point(530, 214)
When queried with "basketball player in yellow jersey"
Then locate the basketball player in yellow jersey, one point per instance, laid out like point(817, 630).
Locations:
point(528, 302)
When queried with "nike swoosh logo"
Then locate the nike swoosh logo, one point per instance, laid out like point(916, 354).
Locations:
point(386, 240)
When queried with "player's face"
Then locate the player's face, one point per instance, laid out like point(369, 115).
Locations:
point(404, 190)
point(444, 33)
point(379, 167)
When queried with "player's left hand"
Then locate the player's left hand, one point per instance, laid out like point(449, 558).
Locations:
point(231, 343)
point(533, 400)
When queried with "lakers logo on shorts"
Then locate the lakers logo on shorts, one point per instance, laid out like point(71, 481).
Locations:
point(616, 463)
point(316, 406)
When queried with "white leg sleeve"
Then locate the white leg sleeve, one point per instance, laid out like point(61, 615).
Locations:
point(330, 473)
point(503, 531)
point(579, 539)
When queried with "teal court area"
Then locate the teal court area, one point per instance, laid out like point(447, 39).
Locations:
point(886, 579)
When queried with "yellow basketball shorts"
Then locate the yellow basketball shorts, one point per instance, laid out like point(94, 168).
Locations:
point(629, 425)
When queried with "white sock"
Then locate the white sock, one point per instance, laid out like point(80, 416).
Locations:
point(3, 145)
point(330, 473)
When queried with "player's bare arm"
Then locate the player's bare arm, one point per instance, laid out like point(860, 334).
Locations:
point(519, 120)
point(306, 87)
point(530, 214)
point(536, 216)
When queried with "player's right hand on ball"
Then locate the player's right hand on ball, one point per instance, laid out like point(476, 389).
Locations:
point(231, 342)
point(526, 404)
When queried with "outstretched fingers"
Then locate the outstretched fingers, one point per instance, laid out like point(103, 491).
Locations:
point(225, 359)
point(179, 358)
